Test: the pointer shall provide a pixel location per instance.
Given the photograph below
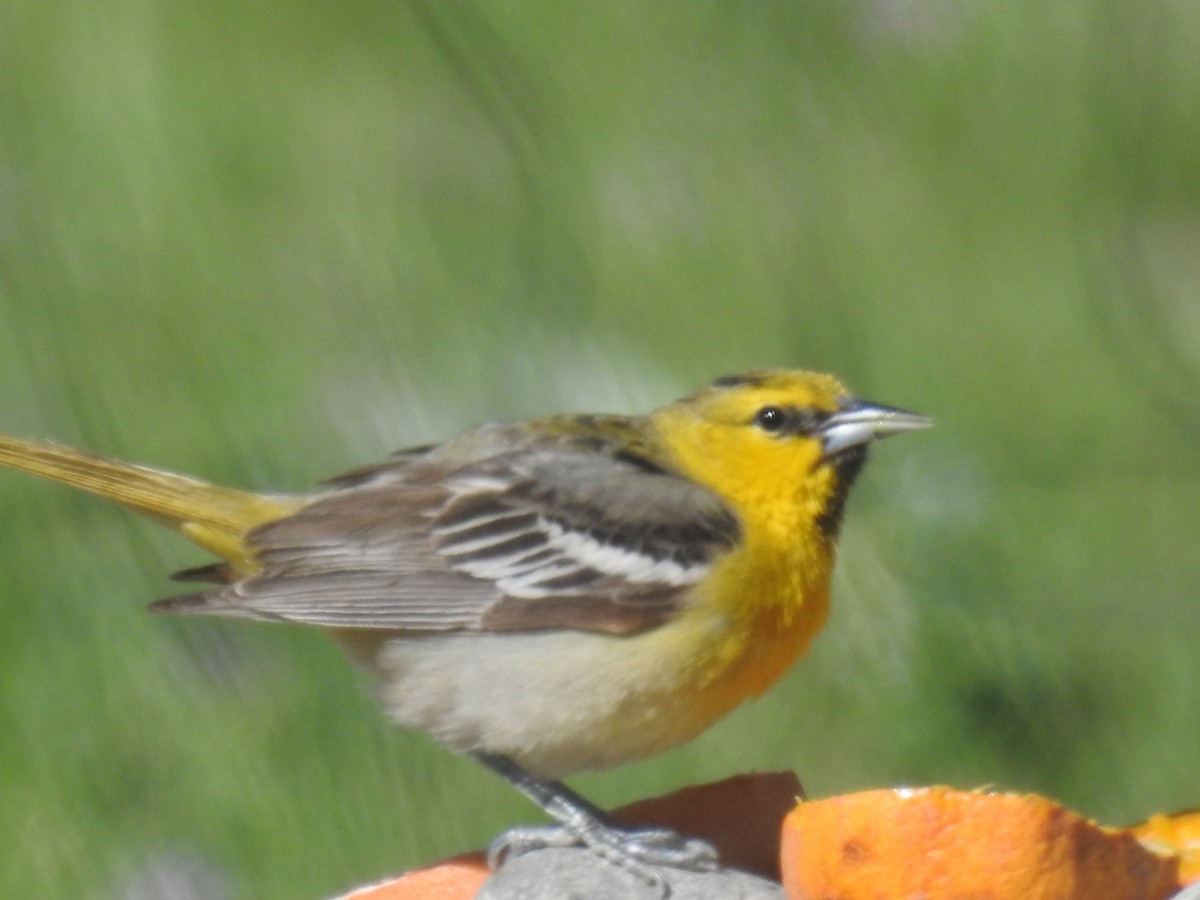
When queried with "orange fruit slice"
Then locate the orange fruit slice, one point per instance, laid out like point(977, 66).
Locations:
point(459, 878)
point(938, 843)
point(1180, 834)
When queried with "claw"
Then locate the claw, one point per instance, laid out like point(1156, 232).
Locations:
point(663, 847)
point(526, 839)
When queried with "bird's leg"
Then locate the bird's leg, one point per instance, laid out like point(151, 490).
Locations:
point(579, 822)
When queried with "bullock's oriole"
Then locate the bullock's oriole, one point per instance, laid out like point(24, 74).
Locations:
point(551, 595)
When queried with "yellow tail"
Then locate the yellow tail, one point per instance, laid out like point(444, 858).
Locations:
point(216, 518)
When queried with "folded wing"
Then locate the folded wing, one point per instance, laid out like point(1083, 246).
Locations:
point(516, 531)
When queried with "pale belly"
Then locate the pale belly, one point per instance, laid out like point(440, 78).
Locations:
point(558, 702)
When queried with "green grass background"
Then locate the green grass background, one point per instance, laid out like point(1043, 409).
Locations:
point(262, 242)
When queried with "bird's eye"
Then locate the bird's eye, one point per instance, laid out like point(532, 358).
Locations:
point(770, 418)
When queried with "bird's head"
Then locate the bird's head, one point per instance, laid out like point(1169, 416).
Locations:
point(781, 443)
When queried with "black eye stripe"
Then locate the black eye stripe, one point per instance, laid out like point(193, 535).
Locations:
point(788, 420)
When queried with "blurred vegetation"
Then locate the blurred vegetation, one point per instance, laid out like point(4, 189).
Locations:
point(264, 242)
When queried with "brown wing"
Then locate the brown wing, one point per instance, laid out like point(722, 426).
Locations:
point(497, 531)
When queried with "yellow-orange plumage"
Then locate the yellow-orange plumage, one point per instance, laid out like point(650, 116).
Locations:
point(217, 518)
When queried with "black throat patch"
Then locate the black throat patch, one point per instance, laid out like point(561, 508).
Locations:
point(846, 466)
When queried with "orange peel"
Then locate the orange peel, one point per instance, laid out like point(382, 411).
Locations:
point(938, 843)
point(1178, 833)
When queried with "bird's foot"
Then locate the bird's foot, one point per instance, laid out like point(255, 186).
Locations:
point(651, 846)
point(641, 852)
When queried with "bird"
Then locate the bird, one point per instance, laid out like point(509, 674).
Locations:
point(551, 595)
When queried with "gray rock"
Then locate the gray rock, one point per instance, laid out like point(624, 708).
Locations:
point(576, 873)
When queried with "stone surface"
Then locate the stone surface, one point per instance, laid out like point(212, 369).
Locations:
point(579, 874)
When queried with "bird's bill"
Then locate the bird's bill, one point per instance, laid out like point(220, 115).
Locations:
point(861, 423)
